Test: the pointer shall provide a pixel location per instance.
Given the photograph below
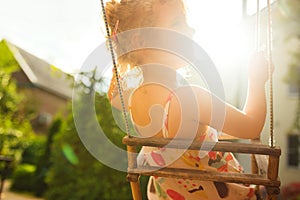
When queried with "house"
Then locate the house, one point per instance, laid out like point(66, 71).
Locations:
point(47, 88)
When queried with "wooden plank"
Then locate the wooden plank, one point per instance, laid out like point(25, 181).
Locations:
point(206, 175)
point(136, 190)
point(273, 175)
point(131, 153)
point(133, 178)
point(246, 148)
point(273, 167)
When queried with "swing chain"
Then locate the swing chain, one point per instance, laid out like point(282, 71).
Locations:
point(270, 67)
point(269, 39)
point(110, 46)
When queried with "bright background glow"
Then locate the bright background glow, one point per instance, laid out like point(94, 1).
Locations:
point(216, 23)
point(64, 32)
point(220, 31)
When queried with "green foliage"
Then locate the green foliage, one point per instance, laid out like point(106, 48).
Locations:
point(34, 150)
point(7, 61)
point(15, 127)
point(23, 178)
point(74, 173)
point(25, 173)
point(44, 163)
point(14, 121)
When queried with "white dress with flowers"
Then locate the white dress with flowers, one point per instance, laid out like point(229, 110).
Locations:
point(160, 188)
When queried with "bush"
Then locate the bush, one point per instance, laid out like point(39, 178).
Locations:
point(75, 174)
point(44, 163)
point(34, 150)
point(23, 178)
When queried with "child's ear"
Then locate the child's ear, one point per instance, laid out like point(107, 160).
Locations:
point(137, 41)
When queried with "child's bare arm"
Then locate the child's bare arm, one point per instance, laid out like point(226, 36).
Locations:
point(246, 123)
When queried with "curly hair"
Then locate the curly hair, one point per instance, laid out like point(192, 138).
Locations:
point(128, 15)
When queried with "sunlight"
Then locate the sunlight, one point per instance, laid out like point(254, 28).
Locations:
point(227, 38)
point(218, 30)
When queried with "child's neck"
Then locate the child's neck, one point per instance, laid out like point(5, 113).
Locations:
point(155, 73)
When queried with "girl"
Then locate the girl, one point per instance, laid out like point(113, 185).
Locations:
point(160, 107)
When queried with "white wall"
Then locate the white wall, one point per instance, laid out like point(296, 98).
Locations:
point(284, 104)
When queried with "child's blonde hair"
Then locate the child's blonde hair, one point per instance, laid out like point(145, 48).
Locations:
point(124, 15)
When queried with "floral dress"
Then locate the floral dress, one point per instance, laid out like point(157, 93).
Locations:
point(161, 188)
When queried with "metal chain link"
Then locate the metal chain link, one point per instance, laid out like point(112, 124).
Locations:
point(269, 40)
point(115, 69)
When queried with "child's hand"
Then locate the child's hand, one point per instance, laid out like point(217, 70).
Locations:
point(259, 68)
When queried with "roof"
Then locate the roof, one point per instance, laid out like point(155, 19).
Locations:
point(42, 74)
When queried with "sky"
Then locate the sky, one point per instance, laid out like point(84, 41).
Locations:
point(62, 32)
point(65, 32)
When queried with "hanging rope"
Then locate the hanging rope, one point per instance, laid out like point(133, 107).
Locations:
point(269, 52)
point(269, 43)
point(110, 46)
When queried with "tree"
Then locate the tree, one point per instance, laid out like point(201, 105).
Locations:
point(14, 123)
point(75, 174)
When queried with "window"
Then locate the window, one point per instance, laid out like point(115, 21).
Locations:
point(294, 150)
point(293, 90)
point(44, 119)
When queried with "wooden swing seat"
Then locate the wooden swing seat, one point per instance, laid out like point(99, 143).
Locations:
point(270, 180)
